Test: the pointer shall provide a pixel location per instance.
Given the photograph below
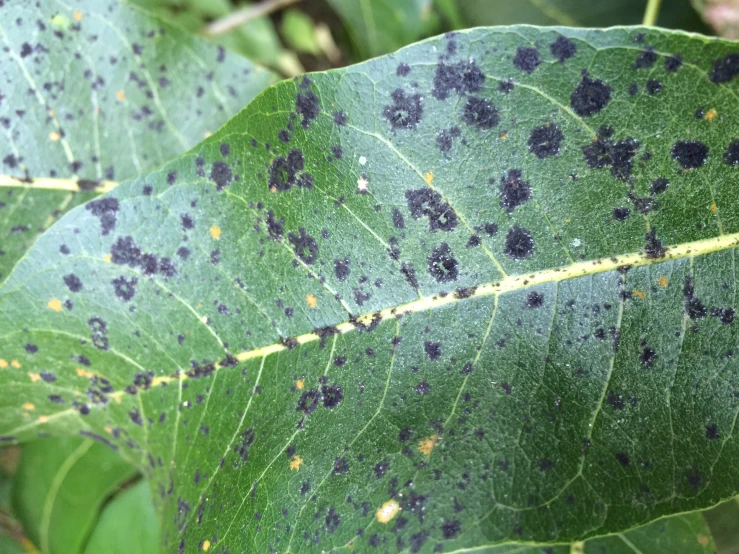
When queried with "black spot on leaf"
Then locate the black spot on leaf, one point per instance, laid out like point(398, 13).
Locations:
point(433, 350)
point(221, 175)
point(462, 77)
point(125, 288)
point(620, 214)
point(451, 529)
point(428, 202)
point(590, 96)
point(690, 154)
point(308, 401)
point(545, 141)
point(283, 172)
point(332, 396)
point(342, 269)
point(305, 246)
point(731, 156)
point(514, 191)
point(405, 112)
point(673, 63)
point(480, 113)
point(725, 69)
point(105, 209)
point(519, 243)
point(653, 248)
point(526, 59)
point(307, 106)
point(646, 59)
point(647, 356)
point(534, 300)
point(442, 265)
point(654, 86)
point(562, 49)
point(712, 431)
point(603, 152)
point(340, 466)
point(73, 282)
point(659, 185)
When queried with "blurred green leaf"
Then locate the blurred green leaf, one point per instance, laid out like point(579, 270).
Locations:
point(674, 14)
point(127, 525)
point(299, 32)
point(380, 26)
point(60, 487)
point(723, 520)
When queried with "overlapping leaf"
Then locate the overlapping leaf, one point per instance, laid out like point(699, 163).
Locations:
point(95, 92)
point(481, 292)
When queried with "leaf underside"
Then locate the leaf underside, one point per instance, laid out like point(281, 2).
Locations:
point(99, 91)
point(480, 292)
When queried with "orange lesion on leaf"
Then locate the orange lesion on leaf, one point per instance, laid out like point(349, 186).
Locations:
point(43, 419)
point(84, 373)
point(714, 207)
point(29, 406)
point(300, 384)
point(215, 232)
point(121, 95)
point(16, 364)
point(55, 304)
point(711, 114)
point(429, 177)
point(387, 511)
point(663, 281)
point(703, 540)
point(640, 294)
point(428, 444)
point(311, 300)
point(78, 16)
point(503, 136)
point(109, 430)
point(295, 463)
point(34, 377)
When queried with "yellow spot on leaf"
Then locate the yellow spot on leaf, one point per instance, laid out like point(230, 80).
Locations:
point(109, 430)
point(55, 304)
point(215, 232)
point(78, 16)
point(711, 114)
point(107, 258)
point(299, 384)
point(15, 364)
point(311, 300)
point(429, 177)
point(34, 377)
point(568, 220)
point(84, 373)
point(120, 95)
point(54, 136)
point(206, 546)
point(663, 282)
point(295, 463)
point(503, 136)
point(428, 444)
point(207, 134)
point(714, 207)
point(3, 364)
point(43, 419)
point(640, 294)
point(387, 511)
point(28, 406)
point(703, 540)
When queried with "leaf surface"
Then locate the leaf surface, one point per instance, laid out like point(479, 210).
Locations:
point(93, 92)
point(480, 292)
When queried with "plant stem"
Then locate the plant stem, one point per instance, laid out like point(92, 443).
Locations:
point(651, 13)
point(244, 15)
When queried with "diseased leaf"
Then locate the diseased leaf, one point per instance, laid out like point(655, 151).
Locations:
point(60, 487)
point(128, 524)
point(97, 91)
point(477, 293)
point(380, 26)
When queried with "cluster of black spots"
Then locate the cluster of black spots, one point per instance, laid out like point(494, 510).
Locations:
point(464, 292)
point(409, 274)
point(461, 77)
point(104, 209)
point(451, 528)
point(200, 369)
point(480, 113)
point(519, 244)
point(283, 135)
point(724, 315)
point(275, 227)
point(653, 248)
point(694, 308)
point(283, 173)
point(445, 138)
point(615, 401)
point(340, 466)
point(308, 401)
point(405, 112)
point(673, 63)
point(125, 288)
point(604, 152)
point(621, 213)
point(562, 49)
point(659, 185)
point(731, 156)
point(725, 69)
point(545, 141)
point(403, 70)
point(84, 360)
point(305, 246)
point(398, 219)
point(654, 86)
point(221, 175)
point(99, 330)
point(307, 104)
point(73, 282)
point(623, 458)
point(433, 349)
point(360, 297)
point(340, 119)
point(442, 265)
point(645, 59)
point(126, 252)
point(381, 468)
point(332, 520)
point(690, 154)
point(428, 202)
point(514, 191)
point(526, 59)
point(338, 152)
point(241, 449)
point(342, 269)
point(534, 300)
point(422, 388)
point(590, 96)
point(647, 355)
point(332, 396)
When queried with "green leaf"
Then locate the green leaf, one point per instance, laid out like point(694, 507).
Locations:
point(674, 14)
point(496, 294)
point(380, 26)
point(300, 32)
point(128, 524)
point(93, 92)
point(60, 487)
